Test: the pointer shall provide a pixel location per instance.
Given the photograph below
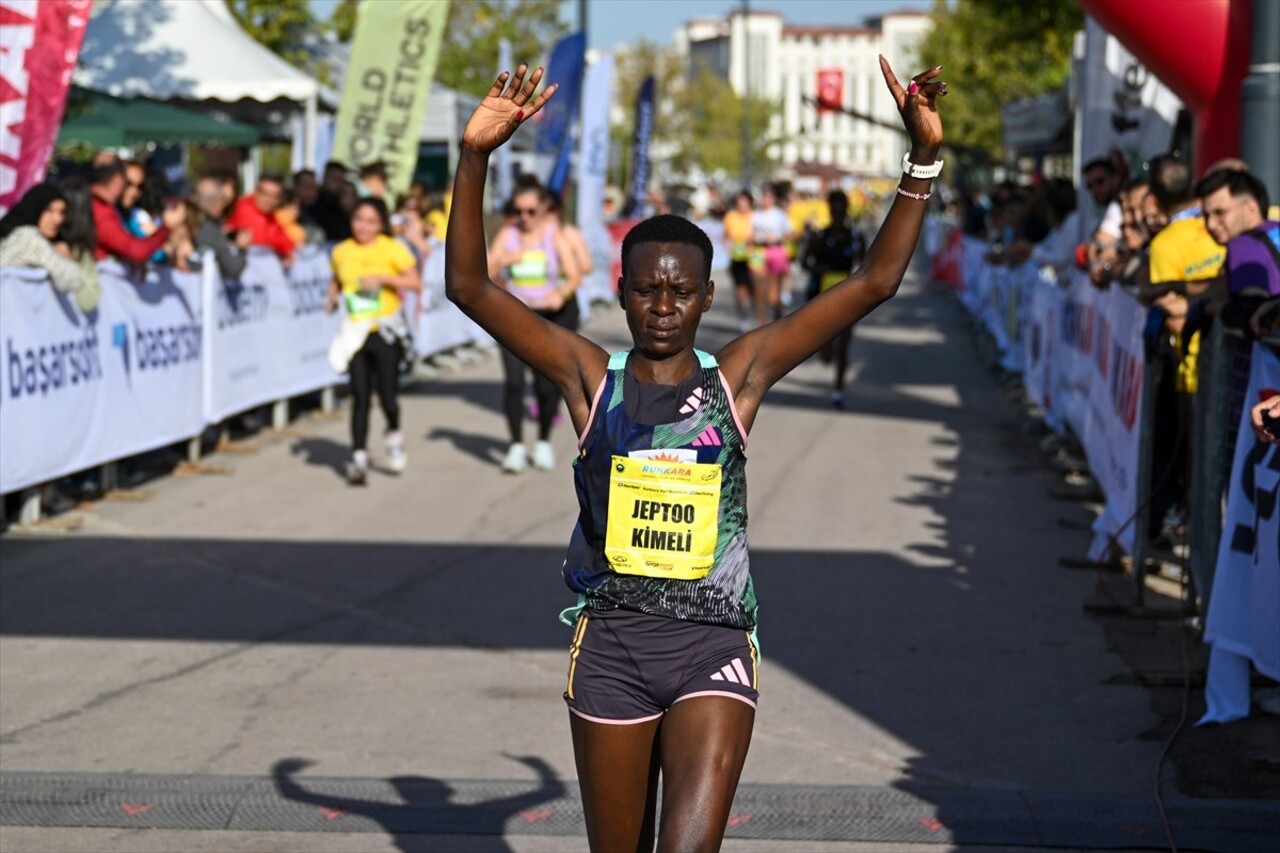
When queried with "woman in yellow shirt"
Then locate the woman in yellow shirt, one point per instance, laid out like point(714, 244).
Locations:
point(737, 234)
point(370, 269)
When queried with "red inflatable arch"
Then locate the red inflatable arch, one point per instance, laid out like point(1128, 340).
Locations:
point(1199, 49)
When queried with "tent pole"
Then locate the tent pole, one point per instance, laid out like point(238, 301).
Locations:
point(310, 120)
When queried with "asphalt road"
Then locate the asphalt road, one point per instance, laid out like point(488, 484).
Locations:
point(920, 644)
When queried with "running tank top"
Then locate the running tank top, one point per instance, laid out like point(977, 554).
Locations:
point(662, 525)
point(536, 275)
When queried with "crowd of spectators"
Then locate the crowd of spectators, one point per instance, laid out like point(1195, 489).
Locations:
point(120, 209)
point(1194, 250)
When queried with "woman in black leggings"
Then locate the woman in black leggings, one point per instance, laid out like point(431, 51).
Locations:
point(532, 259)
point(369, 271)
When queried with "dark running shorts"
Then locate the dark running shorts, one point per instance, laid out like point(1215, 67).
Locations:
point(629, 667)
point(740, 272)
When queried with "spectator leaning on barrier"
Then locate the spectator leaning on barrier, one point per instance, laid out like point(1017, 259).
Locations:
point(81, 239)
point(1234, 204)
point(327, 211)
point(30, 236)
point(256, 213)
point(1103, 182)
point(212, 235)
point(1185, 259)
point(107, 185)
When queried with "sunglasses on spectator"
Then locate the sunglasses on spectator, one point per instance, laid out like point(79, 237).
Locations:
point(526, 211)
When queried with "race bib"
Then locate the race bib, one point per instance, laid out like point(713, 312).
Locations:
point(531, 271)
point(739, 252)
point(663, 517)
point(362, 304)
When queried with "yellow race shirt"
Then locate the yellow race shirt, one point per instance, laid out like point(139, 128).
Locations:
point(737, 230)
point(353, 261)
point(1184, 251)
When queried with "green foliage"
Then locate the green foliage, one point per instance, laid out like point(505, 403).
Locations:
point(709, 132)
point(469, 50)
point(994, 51)
point(343, 21)
point(631, 67)
point(283, 26)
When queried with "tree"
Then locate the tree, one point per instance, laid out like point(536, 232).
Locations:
point(286, 27)
point(631, 66)
point(469, 50)
point(708, 130)
point(342, 23)
point(994, 51)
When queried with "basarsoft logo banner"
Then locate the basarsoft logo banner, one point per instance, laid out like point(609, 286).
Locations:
point(77, 390)
point(393, 60)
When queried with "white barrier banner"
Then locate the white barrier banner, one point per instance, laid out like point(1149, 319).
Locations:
point(268, 333)
point(1040, 352)
point(1244, 618)
point(79, 390)
point(1077, 329)
point(438, 325)
point(1112, 431)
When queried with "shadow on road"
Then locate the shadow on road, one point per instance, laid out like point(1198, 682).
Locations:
point(426, 806)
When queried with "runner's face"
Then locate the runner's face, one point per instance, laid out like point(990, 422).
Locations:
point(665, 295)
point(366, 225)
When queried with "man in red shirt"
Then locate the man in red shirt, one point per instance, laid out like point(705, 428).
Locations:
point(106, 185)
point(256, 213)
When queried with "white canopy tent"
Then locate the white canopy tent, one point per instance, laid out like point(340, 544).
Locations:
point(192, 50)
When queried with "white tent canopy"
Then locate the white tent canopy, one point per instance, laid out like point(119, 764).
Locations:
point(191, 49)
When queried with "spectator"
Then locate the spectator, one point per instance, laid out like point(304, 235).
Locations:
point(1235, 204)
point(30, 236)
point(373, 181)
point(212, 234)
point(307, 192)
point(288, 215)
point(256, 213)
point(107, 184)
point(408, 228)
point(136, 218)
point(327, 210)
point(81, 239)
point(1057, 249)
point(1103, 183)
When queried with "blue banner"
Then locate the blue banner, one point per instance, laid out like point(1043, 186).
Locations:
point(565, 70)
point(640, 150)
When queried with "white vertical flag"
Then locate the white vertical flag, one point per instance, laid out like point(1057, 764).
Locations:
point(593, 158)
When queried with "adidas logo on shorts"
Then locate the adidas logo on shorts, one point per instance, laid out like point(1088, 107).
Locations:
point(733, 671)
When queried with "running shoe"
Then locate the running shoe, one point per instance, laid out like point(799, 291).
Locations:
point(358, 468)
point(517, 459)
point(397, 459)
point(544, 458)
point(837, 401)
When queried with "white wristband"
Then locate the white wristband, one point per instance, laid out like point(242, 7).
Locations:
point(913, 171)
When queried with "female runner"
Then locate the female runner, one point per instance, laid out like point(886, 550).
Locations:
point(662, 674)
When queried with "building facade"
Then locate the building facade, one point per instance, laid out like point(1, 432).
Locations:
point(801, 67)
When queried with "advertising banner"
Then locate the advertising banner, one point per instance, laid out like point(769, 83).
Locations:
point(393, 60)
point(555, 122)
point(78, 390)
point(1111, 436)
point(39, 44)
point(1243, 624)
point(268, 334)
point(636, 195)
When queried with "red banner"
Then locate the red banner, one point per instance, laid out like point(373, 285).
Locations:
point(39, 43)
point(830, 90)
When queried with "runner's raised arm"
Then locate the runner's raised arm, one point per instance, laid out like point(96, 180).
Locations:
point(755, 361)
point(570, 361)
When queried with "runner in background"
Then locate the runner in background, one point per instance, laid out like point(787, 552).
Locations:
point(663, 667)
point(370, 271)
point(534, 262)
point(831, 255)
point(770, 264)
point(737, 233)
